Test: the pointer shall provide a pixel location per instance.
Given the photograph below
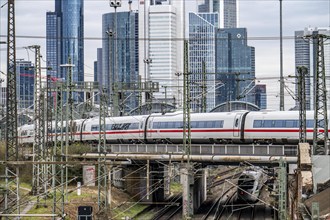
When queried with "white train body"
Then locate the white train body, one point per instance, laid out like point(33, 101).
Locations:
point(276, 127)
point(249, 185)
point(223, 127)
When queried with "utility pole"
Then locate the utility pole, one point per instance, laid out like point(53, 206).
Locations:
point(302, 72)
point(12, 198)
point(281, 63)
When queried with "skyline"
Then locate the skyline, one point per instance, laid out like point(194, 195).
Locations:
point(263, 33)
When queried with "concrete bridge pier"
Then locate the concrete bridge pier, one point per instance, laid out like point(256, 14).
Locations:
point(194, 190)
point(145, 182)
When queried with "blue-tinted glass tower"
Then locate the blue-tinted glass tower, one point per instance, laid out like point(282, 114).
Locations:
point(235, 65)
point(25, 83)
point(120, 58)
point(261, 96)
point(65, 38)
point(202, 30)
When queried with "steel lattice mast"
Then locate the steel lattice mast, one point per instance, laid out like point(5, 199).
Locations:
point(12, 199)
point(68, 117)
point(103, 199)
point(302, 72)
point(39, 127)
point(186, 104)
point(58, 154)
point(320, 134)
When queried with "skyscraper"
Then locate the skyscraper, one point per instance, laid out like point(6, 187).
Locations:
point(261, 96)
point(227, 9)
point(120, 53)
point(305, 52)
point(202, 53)
point(161, 30)
point(235, 65)
point(25, 83)
point(65, 39)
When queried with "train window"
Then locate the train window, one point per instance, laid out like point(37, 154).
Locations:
point(161, 125)
point(133, 126)
point(171, 124)
point(310, 123)
point(108, 127)
point(156, 125)
point(218, 124)
point(236, 122)
point(279, 124)
point(291, 123)
point(257, 123)
point(209, 124)
point(203, 124)
point(193, 124)
point(267, 124)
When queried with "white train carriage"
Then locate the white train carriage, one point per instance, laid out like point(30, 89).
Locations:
point(249, 185)
point(127, 129)
point(276, 127)
point(25, 134)
point(205, 127)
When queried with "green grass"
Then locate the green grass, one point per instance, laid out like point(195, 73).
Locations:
point(129, 211)
point(176, 188)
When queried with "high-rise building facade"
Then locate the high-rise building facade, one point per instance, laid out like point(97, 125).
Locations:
point(161, 34)
point(120, 54)
point(65, 39)
point(235, 65)
point(305, 51)
point(202, 56)
point(227, 9)
point(25, 83)
point(261, 96)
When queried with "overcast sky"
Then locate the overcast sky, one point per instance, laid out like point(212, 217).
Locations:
point(260, 17)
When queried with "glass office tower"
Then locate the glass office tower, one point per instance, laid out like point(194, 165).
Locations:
point(202, 30)
point(65, 38)
point(235, 65)
point(25, 84)
point(120, 53)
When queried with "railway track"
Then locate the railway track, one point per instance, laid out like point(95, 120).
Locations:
point(162, 212)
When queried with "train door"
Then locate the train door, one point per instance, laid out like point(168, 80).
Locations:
point(141, 128)
point(237, 124)
point(149, 126)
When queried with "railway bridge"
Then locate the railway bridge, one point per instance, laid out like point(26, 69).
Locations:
point(152, 182)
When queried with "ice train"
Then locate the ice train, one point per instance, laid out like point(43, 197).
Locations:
point(277, 127)
point(249, 185)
